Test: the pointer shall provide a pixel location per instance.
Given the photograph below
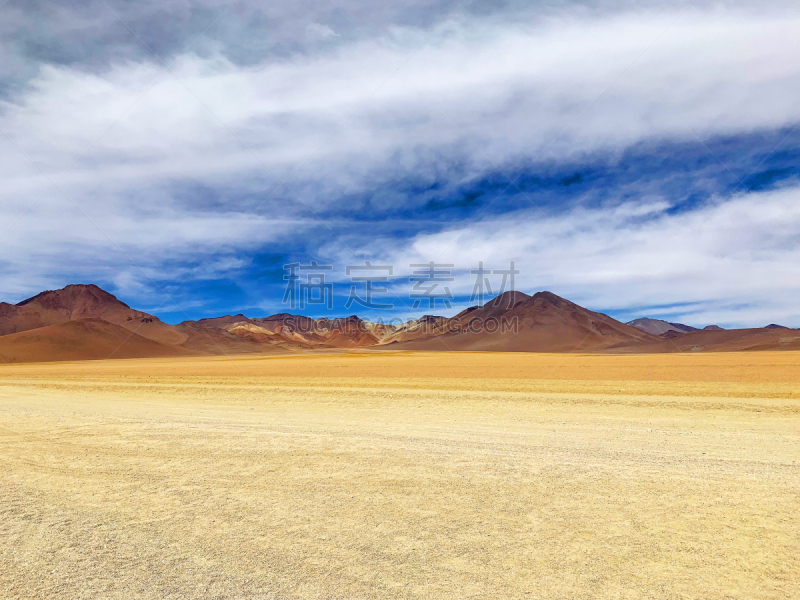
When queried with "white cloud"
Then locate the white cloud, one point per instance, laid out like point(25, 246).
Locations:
point(489, 93)
point(484, 94)
point(738, 258)
point(319, 31)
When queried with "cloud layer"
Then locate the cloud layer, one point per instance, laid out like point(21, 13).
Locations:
point(150, 169)
point(732, 261)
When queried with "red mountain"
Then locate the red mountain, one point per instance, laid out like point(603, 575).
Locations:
point(75, 302)
point(82, 322)
point(290, 331)
point(543, 322)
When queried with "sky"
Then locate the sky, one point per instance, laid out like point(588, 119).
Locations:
point(638, 158)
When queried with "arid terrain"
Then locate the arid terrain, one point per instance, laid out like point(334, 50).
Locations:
point(85, 322)
point(402, 475)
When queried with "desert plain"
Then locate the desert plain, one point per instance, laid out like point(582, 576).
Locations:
point(402, 475)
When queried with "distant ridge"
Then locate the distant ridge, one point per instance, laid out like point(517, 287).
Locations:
point(81, 322)
point(543, 322)
point(659, 327)
point(726, 340)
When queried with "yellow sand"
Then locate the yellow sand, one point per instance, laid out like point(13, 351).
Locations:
point(375, 475)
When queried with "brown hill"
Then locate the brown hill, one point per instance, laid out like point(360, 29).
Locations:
point(237, 337)
point(81, 339)
point(668, 335)
point(660, 327)
point(281, 332)
point(380, 330)
point(75, 302)
point(220, 322)
point(424, 327)
point(724, 340)
point(543, 322)
point(496, 307)
point(223, 335)
point(82, 322)
point(347, 332)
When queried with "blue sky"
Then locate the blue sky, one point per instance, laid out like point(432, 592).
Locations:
point(639, 159)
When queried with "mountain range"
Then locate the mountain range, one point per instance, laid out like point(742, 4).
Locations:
point(82, 322)
point(671, 330)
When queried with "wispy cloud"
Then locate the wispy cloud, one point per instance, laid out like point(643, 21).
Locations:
point(742, 252)
point(377, 112)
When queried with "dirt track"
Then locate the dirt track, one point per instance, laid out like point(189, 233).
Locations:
point(402, 476)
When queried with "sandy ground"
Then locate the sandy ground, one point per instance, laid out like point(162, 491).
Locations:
point(402, 476)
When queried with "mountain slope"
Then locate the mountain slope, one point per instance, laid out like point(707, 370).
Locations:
point(75, 302)
point(724, 340)
point(81, 339)
point(543, 322)
point(660, 327)
point(494, 308)
point(283, 331)
point(306, 332)
point(424, 327)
